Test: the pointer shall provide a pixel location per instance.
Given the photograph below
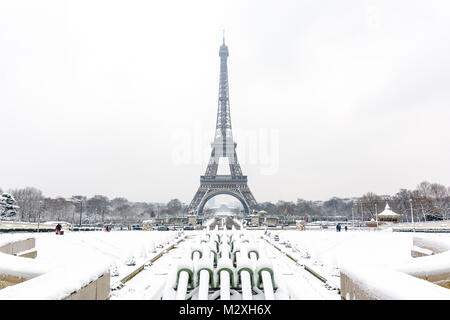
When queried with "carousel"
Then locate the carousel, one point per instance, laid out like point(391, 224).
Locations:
point(388, 215)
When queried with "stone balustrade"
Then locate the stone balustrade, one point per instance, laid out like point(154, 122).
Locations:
point(27, 279)
point(426, 277)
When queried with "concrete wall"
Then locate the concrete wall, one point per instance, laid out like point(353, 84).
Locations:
point(17, 247)
point(372, 283)
point(7, 280)
point(350, 290)
point(28, 254)
point(21, 248)
point(96, 290)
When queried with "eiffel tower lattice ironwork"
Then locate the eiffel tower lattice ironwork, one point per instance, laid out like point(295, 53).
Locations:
point(223, 146)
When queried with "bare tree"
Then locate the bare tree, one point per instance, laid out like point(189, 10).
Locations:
point(29, 200)
point(440, 196)
point(174, 206)
point(368, 202)
point(98, 205)
point(58, 209)
point(432, 199)
point(126, 213)
point(285, 208)
point(118, 202)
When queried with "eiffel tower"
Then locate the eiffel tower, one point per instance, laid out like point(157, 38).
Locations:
point(223, 146)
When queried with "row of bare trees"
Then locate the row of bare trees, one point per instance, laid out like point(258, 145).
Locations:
point(33, 206)
point(428, 201)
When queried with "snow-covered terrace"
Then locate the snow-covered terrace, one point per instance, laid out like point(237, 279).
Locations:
point(65, 264)
point(380, 263)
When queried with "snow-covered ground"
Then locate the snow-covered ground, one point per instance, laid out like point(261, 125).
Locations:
point(327, 251)
point(324, 251)
point(118, 248)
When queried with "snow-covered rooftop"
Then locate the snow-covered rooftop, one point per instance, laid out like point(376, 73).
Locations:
point(387, 212)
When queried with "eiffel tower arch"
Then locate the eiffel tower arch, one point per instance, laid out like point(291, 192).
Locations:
point(223, 146)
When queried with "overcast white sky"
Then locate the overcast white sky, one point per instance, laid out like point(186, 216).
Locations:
point(343, 97)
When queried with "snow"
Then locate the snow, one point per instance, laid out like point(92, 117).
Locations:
point(114, 248)
point(21, 267)
point(208, 223)
point(428, 266)
point(381, 260)
point(330, 249)
point(75, 259)
point(386, 284)
point(388, 212)
point(6, 238)
point(422, 250)
point(56, 284)
point(328, 252)
point(434, 244)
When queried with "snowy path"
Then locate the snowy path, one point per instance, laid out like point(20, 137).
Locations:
point(305, 285)
point(149, 283)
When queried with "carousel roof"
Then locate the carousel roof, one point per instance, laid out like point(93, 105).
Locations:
point(387, 212)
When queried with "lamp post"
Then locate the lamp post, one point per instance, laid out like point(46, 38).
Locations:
point(412, 215)
point(39, 215)
point(362, 213)
point(376, 214)
point(353, 220)
point(335, 213)
point(73, 219)
point(81, 210)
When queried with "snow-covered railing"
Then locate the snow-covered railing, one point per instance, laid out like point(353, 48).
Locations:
point(14, 270)
point(31, 279)
point(23, 248)
point(365, 283)
point(417, 279)
point(425, 246)
point(68, 283)
point(432, 261)
point(434, 268)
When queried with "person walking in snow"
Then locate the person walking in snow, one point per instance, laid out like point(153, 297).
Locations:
point(338, 227)
point(58, 228)
point(345, 228)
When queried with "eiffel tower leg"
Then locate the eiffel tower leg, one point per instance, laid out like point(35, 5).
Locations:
point(193, 206)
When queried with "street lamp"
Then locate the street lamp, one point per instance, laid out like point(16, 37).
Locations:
point(362, 213)
point(376, 214)
point(81, 210)
point(39, 214)
point(353, 220)
point(412, 215)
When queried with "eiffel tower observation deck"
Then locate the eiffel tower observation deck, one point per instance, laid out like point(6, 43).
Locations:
point(223, 147)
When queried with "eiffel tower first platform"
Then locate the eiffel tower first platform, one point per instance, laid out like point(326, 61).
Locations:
point(212, 184)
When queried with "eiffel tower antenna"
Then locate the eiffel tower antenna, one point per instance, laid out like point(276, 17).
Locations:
point(223, 146)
